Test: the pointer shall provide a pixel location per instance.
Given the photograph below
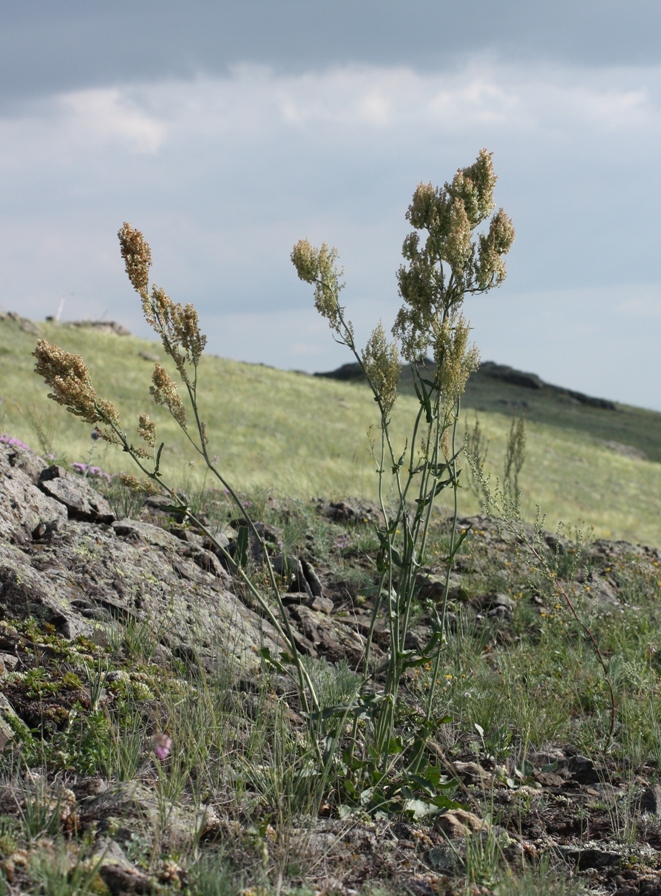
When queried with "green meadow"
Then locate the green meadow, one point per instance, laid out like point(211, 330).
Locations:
point(305, 436)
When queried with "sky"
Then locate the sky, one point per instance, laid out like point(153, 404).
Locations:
point(228, 130)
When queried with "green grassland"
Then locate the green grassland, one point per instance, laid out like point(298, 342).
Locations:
point(305, 436)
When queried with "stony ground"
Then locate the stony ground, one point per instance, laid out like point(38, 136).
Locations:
point(110, 622)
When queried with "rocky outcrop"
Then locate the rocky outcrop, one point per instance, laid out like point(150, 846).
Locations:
point(66, 560)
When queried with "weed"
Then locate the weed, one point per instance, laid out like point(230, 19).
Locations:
point(59, 873)
point(213, 875)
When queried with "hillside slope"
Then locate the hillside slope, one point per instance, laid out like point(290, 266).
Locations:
point(305, 436)
point(499, 389)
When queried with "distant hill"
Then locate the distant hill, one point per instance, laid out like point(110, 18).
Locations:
point(281, 432)
point(496, 388)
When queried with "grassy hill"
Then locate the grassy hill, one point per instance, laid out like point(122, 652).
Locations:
point(302, 435)
point(498, 389)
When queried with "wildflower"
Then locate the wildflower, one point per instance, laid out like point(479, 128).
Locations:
point(164, 391)
point(87, 470)
point(449, 263)
point(176, 324)
point(455, 359)
point(382, 366)
point(137, 256)
point(11, 440)
point(162, 744)
point(147, 429)
point(70, 380)
point(318, 266)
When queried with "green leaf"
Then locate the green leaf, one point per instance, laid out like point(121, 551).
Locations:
point(418, 809)
point(271, 662)
point(444, 802)
point(460, 540)
point(423, 398)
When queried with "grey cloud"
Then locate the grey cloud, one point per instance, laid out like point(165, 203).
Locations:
point(71, 44)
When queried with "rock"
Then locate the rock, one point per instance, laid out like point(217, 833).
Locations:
point(650, 800)
point(590, 857)
point(459, 824)
point(80, 499)
point(23, 507)
point(8, 662)
point(352, 511)
point(7, 716)
point(322, 605)
point(582, 770)
point(432, 587)
point(24, 324)
point(649, 886)
point(603, 595)
point(135, 805)
point(269, 537)
point(471, 772)
point(509, 375)
point(101, 326)
point(328, 636)
point(89, 571)
point(117, 873)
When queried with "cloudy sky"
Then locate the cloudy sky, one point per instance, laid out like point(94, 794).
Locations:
point(228, 129)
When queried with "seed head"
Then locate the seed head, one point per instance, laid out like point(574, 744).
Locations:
point(70, 380)
point(141, 486)
point(147, 429)
point(452, 260)
point(137, 257)
point(164, 391)
point(382, 366)
point(490, 269)
point(454, 357)
point(318, 266)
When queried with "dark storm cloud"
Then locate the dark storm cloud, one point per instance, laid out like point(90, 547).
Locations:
point(47, 47)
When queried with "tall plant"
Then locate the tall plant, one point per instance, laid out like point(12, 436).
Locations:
point(457, 248)
point(449, 261)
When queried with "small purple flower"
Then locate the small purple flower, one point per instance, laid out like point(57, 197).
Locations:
point(162, 745)
point(90, 471)
point(342, 541)
point(11, 440)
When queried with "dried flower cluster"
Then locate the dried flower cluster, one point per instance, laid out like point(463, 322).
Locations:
point(317, 266)
point(72, 387)
point(142, 486)
point(71, 384)
point(382, 367)
point(455, 358)
point(450, 262)
point(147, 429)
point(176, 324)
point(137, 257)
point(164, 392)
